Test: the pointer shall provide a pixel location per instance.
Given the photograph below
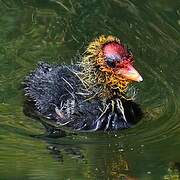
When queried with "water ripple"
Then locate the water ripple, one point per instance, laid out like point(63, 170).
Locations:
point(161, 109)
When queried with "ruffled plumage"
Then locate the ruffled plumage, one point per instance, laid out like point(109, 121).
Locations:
point(63, 100)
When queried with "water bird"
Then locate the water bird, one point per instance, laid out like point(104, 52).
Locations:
point(90, 95)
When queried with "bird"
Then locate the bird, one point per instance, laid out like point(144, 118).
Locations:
point(89, 95)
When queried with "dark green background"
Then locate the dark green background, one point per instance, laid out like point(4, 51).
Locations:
point(60, 30)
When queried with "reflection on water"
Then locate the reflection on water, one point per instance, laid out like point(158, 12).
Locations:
point(59, 30)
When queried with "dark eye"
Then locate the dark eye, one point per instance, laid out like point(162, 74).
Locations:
point(111, 62)
point(113, 59)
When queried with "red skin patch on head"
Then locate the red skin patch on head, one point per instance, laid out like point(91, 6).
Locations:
point(113, 49)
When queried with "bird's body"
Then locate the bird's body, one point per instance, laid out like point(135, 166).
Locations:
point(80, 97)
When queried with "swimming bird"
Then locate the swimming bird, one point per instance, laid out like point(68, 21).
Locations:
point(88, 96)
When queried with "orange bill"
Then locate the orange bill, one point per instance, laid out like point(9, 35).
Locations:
point(130, 73)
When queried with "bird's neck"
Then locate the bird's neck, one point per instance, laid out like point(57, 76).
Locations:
point(103, 84)
point(96, 75)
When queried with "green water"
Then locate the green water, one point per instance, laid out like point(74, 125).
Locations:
point(58, 30)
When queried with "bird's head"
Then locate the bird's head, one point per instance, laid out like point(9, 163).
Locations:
point(108, 63)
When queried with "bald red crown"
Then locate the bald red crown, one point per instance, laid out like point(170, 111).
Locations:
point(114, 49)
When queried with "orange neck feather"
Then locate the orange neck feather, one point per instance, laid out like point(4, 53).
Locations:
point(96, 72)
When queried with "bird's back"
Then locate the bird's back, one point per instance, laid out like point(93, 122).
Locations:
point(58, 95)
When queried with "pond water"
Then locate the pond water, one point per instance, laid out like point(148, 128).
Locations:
point(57, 31)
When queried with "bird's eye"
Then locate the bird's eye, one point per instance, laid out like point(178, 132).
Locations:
point(113, 59)
point(111, 62)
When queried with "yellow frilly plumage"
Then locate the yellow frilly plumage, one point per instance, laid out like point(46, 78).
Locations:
point(96, 72)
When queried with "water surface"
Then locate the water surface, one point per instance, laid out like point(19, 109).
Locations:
point(56, 31)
